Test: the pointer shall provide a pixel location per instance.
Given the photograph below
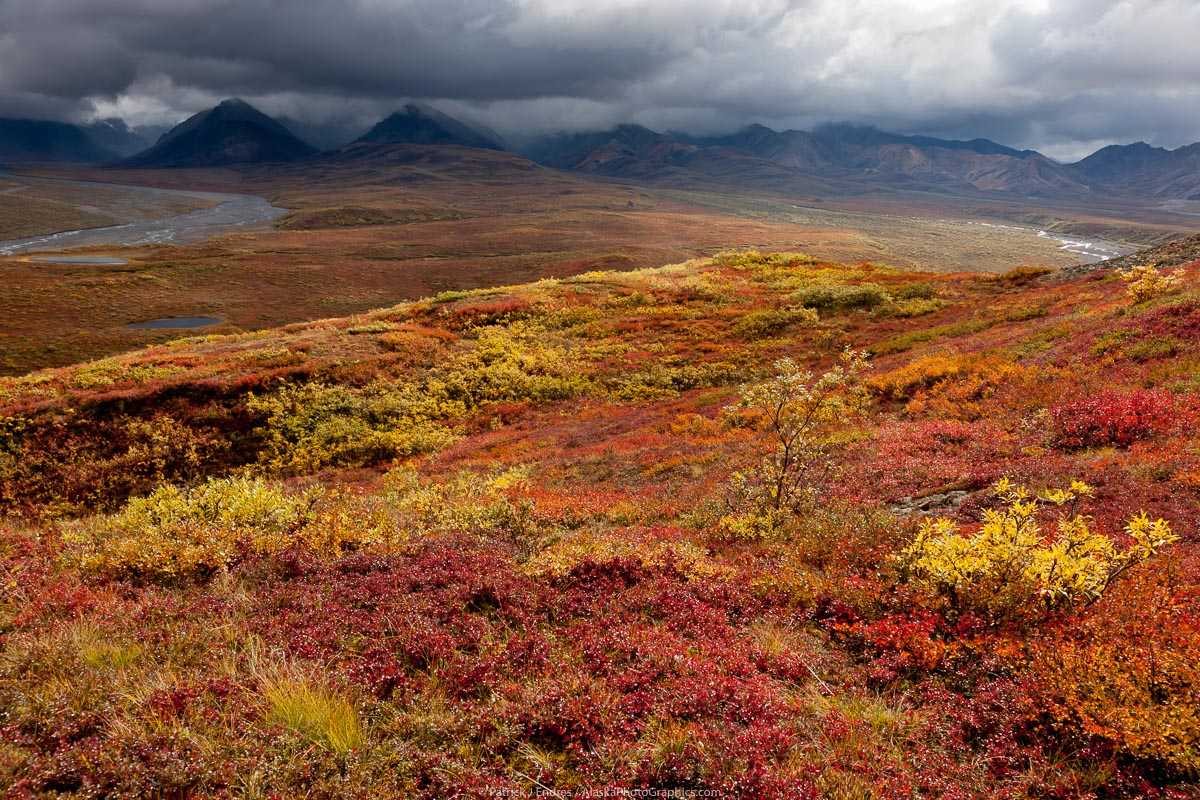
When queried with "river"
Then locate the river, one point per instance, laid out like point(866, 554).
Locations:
point(1090, 251)
point(230, 212)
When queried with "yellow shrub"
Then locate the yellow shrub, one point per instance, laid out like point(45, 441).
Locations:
point(465, 502)
point(511, 363)
point(100, 374)
point(565, 554)
point(754, 525)
point(1147, 281)
point(314, 425)
point(179, 533)
point(311, 426)
point(1009, 563)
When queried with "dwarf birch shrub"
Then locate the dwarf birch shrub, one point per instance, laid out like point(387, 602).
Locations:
point(798, 413)
point(833, 297)
point(1146, 282)
point(465, 502)
point(1011, 564)
point(176, 533)
point(310, 426)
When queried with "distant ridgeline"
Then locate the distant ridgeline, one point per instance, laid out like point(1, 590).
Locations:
point(829, 158)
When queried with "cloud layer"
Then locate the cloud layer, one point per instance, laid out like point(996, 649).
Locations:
point(1059, 75)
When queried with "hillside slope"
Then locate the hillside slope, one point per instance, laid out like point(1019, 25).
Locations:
point(516, 538)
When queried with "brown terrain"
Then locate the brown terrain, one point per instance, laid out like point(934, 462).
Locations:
point(376, 225)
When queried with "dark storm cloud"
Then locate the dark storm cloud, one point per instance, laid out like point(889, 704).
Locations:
point(1056, 74)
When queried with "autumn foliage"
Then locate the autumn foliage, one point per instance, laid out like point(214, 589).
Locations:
point(758, 526)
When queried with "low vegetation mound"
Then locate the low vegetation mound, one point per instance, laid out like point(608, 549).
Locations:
point(360, 216)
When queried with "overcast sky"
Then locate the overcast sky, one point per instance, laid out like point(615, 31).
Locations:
point(1062, 76)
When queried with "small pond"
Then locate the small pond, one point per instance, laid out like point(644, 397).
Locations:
point(98, 261)
point(176, 322)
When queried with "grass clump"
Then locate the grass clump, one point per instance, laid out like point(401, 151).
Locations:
point(314, 713)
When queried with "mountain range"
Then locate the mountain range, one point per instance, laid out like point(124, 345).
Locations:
point(830, 158)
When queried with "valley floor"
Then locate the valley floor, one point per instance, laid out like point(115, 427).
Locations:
point(527, 540)
point(361, 236)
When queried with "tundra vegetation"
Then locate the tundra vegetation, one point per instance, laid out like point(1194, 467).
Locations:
point(758, 524)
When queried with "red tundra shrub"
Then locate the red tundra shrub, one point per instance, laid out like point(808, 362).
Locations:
point(1113, 418)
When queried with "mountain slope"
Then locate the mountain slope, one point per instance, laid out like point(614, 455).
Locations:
point(416, 124)
point(758, 155)
point(633, 152)
point(1142, 169)
point(114, 136)
point(233, 132)
point(28, 140)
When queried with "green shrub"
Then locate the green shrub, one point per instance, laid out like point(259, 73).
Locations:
point(906, 341)
point(370, 327)
point(917, 307)
point(915, 291)
point(757, 324)
point(839, 297)
point(1112, 342)
point(666, 380)
point(1154, 348)
point(1020, 276)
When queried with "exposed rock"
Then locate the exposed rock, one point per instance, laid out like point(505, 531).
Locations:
point(930, 504)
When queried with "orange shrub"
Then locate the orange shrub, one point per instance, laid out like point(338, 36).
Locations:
point(950, 385)
point(1131, 677)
